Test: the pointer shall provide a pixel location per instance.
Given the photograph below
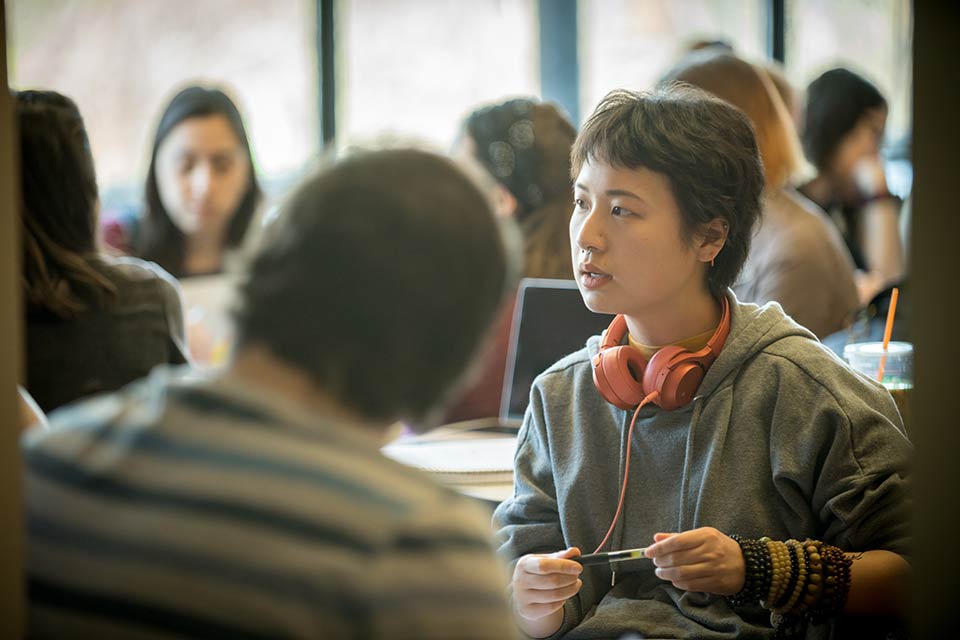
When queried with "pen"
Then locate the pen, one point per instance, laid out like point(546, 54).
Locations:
point(611, 557)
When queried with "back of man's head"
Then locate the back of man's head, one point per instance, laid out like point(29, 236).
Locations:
point(378, 280)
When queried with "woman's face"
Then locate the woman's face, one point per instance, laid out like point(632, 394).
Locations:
point(629, 252)
point(861, 142)
point(202, 174)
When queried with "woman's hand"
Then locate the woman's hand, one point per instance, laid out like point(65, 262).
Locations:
point(702, 559)
point(869, 176)
point(541, 584)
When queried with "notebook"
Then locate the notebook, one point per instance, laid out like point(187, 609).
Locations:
point(461, 460)
point(549, 322)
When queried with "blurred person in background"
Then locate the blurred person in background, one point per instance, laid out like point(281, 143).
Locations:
point(93, 323)
point(844, 120)
point(201, 191)
point(257, 504)
point(797, 258)
point(519, 152)
point(524, 148)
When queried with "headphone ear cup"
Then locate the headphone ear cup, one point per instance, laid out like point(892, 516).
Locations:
point(676, 374)
point(618, 374)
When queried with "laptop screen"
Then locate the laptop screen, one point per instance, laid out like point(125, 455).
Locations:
point(549, 322)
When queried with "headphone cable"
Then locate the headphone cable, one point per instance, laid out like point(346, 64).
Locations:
point(652, 397)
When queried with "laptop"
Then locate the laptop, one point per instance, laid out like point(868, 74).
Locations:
point(549, 322)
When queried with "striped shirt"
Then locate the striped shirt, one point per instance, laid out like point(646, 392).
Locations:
point(185, 509)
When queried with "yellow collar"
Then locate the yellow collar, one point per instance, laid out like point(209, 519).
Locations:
point(694, 343)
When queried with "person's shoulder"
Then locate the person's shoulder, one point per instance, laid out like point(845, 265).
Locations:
point(136, 269)
point(77, 430)
point(807, 225)
point(806, 362)
point(562, 374)
point(415, 487)
point(138, 278)
point(762, 335)
point(441, 547)
point(573, 362)
point(429, 511)
point(805, 352)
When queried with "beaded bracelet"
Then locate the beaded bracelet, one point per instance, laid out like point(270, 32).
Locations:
point(757, 572)
point(780, 563)
point(793, 580)
point(814, 574)
point(766, 566)
point(836, 584)
point(797, 549)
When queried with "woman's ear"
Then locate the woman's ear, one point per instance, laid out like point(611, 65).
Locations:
point(713, 236)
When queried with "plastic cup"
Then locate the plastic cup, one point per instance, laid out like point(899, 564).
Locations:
point(897, 369)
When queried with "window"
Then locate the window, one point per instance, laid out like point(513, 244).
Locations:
point(870, 37)
point(415, 69)
point(410, 69)
point(122, 61)
point(629, 44)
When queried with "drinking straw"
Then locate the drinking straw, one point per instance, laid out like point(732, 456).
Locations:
point(887, 331)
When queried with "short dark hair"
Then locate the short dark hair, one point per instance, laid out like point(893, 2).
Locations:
point(159, 239)
point(378, 278)
point(58, 208)
point(835, 102)
point(704, 146)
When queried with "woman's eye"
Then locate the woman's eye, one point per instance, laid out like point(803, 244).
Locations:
point(579, 203)
point(618, 211)
point(222, 165)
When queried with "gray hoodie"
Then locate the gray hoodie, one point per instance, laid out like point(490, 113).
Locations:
point(783, 440)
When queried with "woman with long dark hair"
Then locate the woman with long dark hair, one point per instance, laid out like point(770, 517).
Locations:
point(844, 120)
point(93, 323)
point(201, 190)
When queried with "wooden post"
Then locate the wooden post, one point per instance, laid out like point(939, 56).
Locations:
point(11, 518)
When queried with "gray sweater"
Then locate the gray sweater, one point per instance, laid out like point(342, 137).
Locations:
point(783, 440)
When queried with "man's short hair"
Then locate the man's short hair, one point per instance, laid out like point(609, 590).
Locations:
point(378, 279)
point(704, 146)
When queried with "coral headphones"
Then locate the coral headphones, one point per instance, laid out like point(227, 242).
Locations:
point(624, 378)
